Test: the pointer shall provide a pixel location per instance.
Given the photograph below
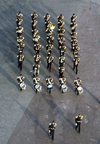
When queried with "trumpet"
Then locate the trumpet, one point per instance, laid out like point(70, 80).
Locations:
point(34, 23)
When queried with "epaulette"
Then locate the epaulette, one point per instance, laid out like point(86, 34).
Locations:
point(76, 117)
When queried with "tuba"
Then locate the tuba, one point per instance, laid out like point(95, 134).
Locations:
point(51, 26)
point(73, 27)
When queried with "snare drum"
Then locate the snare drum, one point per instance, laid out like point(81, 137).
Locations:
point(50, 87)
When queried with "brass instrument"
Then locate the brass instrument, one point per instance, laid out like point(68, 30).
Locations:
point(20, 39)
point(73, 27)
point(36, 38)
point(36, 15)
point(34, 23)
point(19, 31)
point(62, 24)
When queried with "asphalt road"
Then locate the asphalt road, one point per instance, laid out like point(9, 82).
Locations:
point(24, 116)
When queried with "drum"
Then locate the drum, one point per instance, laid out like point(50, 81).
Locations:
point(64, 88)
point(80, 89)
point(23, 86)
point(39, 88)
point(50, 86)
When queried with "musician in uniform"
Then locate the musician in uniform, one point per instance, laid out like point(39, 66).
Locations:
point(47, 24)
point(37, 48)
point(73, 42)
point(34, 16)
point(36, 38)
point(36, 80)
point(19, 15)
point(61, 61)
point(37, 58)
point(20, 58)
point(19, 21)
point(36, 69)
point(78, 118)
point(19, 30)
point(50, 39)
point(61, 41)
point(20, 39)
point(49, 61)
point(61, 71)
point(76, 61)
point(61, 31)
point(34, 32)
point(49, 49)
point(73, 35)
point(60, 24)
point(62, 49)
point(34, 24)
point(62, 81)
point(20, 79)
point(21, 45)
point(47, 17)
point(73, 18)
point(52, 127)
point(61, 17)
point(49, 80)
point(77, 83)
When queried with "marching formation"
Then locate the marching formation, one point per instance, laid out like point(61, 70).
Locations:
point(49, 48)
point(37, 56)
point(20, 47)
point(75, 49)
point(62, 50)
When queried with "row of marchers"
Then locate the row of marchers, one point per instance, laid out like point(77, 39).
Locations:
point(74, 42)
point(20, 40)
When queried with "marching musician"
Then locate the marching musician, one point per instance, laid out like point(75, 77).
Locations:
point(49, 49)
point(37, 48)
point(61, 17)
point(61, 71)
point(19, 30)
point(77, 82)
point(36, 80)
point(37, 58)
point(76, 61)
point(21, 45)
point(74, 42)
point(47, 17)
point(20, 39)
point(36, 69)
point(36, 38)
point(62, 81)
point(49, 80)
point(19, 15)
point(49, 61)
point(61, 31)
point(73, 18)
point(19, 22)
point(20, 58)
point(73, 35)
point(47, 24)
point(50, 39)
point(78, 118)
point(61, 61)
point(34, 24)
point(62, 49)
point(34, 16)
point(61, 41)
point(60, 24)
point(20, 79)
point(34, 32)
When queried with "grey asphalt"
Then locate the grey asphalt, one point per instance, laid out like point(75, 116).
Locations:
point(24, 116)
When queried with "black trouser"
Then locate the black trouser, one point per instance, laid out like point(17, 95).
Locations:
point(49, 65)
point(20, 64)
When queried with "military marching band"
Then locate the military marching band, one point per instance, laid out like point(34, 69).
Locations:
point(49, 26)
